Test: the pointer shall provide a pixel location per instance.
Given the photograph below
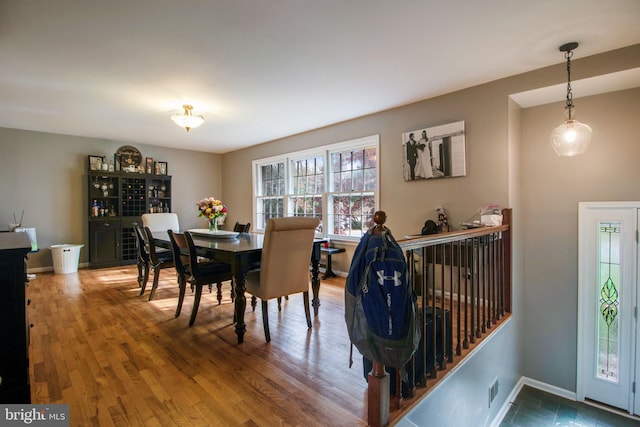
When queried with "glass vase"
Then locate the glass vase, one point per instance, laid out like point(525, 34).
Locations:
point(213, 225)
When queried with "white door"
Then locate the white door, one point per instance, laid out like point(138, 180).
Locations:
point(607, 295)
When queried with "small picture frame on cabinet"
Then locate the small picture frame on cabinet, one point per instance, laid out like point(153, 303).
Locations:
point(95, 163)
point(149, 165)
point(161, 168)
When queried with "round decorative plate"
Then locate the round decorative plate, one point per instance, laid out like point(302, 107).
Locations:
point(129, 156)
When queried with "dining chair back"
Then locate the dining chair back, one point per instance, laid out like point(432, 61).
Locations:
point(180, 248)
point(143, 260)
point(161, 221)
point(204, 273)
point(242, 228)
point(159, 260)
point(284, 264)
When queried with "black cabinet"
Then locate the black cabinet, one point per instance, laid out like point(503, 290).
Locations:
point(104, 243)
point(14, 323)
point(116, 201)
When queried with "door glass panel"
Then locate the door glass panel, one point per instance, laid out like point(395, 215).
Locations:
point(608, 302)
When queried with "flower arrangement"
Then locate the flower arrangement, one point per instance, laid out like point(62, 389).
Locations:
point(211, 208)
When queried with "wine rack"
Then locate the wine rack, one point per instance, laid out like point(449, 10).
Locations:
point(133, 195)
point(116, 202)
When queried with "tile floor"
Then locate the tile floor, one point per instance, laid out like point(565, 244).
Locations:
point(536, 408)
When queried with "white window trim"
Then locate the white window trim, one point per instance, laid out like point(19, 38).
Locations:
point(325, 151)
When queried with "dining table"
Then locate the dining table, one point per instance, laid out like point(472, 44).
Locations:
point(243, 252)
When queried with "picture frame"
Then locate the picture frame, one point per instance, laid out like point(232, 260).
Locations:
point(434, 152)
point(161, 168)
point(149, 165)
point(95, 162)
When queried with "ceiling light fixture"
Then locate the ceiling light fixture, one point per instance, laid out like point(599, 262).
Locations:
point(187, 120)
point(571, 137)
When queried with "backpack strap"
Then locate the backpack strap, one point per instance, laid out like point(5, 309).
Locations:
point(351, 356)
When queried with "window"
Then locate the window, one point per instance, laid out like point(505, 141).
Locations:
point(352, 200)
point(270, 193)
point(336, 183)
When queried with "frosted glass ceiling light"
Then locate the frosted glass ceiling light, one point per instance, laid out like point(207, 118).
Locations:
point(571, 137)
point(187, 120)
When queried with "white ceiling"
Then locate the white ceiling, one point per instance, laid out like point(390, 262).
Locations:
point(264, 69)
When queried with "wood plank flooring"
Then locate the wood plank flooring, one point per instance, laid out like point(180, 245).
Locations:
point(118, 359)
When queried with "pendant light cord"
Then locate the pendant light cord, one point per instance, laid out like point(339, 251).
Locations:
point(569, 106)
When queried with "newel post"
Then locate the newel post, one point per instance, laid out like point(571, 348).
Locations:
point(378, 378)
point(378, 396)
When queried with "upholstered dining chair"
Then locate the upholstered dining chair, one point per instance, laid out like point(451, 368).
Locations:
point(284, 265)
point(159, 260)
point(161, 221)
point(242, 228)
point(203, 273)
point(143, 260)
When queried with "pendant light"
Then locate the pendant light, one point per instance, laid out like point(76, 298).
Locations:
point(187, 120)
point(571, 137)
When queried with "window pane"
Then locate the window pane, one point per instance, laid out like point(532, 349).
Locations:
point(358, 176)
point(609, 302)
point(370, 183)
point(370, 158)
point(345, 181)
point(270, 180)
point(358, 159)
point(335, 162)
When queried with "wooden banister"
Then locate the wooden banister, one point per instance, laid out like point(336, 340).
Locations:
point(478, 277)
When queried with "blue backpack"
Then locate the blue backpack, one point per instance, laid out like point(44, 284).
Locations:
point(380, 305)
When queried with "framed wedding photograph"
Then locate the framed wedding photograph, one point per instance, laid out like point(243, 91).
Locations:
point(149, 165)
point(434, 152)
point(95, 163)
point(161, 168)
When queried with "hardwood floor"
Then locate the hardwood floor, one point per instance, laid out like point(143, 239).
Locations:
point(118, 359)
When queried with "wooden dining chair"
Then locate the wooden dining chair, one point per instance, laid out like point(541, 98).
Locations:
point(143, 260)
point(242, 228)
point(284, 264)
point(159, 260)
point(179, 247)
point(204, 273)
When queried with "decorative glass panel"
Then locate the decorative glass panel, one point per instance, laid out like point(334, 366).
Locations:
point(608, 302)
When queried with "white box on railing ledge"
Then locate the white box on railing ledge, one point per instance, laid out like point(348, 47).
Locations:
point(65, 258)
point(491, 219)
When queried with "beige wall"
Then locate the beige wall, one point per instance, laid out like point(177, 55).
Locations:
point(45, 175)
point(552, 188)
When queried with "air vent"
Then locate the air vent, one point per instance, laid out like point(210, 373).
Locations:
point(493, 391)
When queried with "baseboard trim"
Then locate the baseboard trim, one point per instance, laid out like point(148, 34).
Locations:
point(50, 268)
point(504, 409)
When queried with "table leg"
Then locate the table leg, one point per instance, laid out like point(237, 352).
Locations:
point(240, 305)
point(315, 279)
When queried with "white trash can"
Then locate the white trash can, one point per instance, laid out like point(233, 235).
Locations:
point(65, 258)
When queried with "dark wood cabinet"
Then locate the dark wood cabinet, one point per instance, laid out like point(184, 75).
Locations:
point(116, 202)
point(14, 322)
point(105, 238)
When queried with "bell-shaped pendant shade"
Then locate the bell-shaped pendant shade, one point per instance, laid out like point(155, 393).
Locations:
point(571, 138)
point(187, 120)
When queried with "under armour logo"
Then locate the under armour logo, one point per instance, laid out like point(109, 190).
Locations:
point(396, 278)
